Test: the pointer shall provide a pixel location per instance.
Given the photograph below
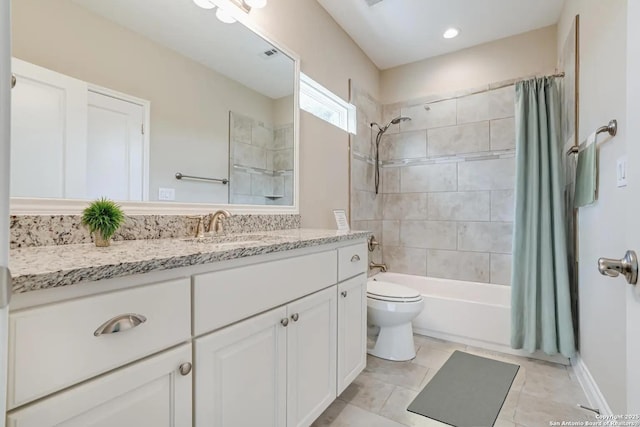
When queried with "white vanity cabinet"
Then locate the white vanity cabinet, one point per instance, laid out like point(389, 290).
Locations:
point(152, 392)
point(266, 341)
point(273, 370)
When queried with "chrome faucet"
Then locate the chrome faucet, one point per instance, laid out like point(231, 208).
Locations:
point(215, 222)
point(382, 267)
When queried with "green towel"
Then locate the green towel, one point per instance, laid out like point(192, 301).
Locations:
point(587, 174)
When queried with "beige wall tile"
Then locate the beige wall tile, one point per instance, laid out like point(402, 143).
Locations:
point(391, 232)
point(390, 179)
point(503, 134)
point(501, 269)
point(473, 266)
point(405, 145)
point(473, 108)
point(404, 206)
point(406, 260)
point(495, 174)
point(460, 206)
point(502, 205)
point(442, 113)
point(502, 102)
point(469, 138)
point(366, 206)
point(485, 236)
point(427, 178)
point(428, 234)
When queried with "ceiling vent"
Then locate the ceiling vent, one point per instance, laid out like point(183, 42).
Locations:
point(267, 54)
point(372, 2)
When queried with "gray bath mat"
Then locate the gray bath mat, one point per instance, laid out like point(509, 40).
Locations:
point(468, 391)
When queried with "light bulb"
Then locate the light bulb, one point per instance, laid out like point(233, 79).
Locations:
point(257, 4)
point(225, 16)
point(451, 33)
point(205, 4)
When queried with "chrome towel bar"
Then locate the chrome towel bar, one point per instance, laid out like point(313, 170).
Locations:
point(180, 175)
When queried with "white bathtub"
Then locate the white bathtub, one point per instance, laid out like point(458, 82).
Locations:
point(477, 314)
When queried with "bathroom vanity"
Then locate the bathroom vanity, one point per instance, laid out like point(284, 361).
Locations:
point(261, 330)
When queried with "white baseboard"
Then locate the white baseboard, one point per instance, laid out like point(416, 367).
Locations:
point(492, 346)
point(588, 384)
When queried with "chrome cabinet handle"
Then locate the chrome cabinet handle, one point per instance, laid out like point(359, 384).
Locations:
point(120, 323)
point(295, 317)
point(627, 266)
point(355, 258)
point(344, 294)
point(284, 322)
point(185, 368)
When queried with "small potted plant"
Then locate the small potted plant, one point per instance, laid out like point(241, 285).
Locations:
point(103, 217)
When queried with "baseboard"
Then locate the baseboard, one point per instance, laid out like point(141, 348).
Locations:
point(492, 346)
point(589, 386)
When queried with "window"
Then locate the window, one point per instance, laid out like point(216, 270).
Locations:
point(322, 103)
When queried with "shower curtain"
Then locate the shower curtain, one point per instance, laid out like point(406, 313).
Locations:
point(540, 297)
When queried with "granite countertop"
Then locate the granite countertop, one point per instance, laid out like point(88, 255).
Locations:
point(44, 267)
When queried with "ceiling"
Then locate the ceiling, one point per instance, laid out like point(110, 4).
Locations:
point(397, 32)
point(230, 49)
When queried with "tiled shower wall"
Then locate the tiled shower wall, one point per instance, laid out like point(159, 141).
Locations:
point(448, 179)
point(261, 162)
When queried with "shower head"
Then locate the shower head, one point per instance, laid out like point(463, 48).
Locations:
point(395, 121)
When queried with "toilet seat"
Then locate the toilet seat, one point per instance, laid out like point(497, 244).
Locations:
point(391, 292)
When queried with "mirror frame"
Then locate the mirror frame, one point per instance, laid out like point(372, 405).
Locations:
point(48, 206)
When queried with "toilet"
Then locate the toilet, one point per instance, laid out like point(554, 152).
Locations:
point(392, 307)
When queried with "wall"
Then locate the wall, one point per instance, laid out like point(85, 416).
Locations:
point(602, 96)
point(329, 56)
point(448, 180)
point(189, 131)
point(513, 57)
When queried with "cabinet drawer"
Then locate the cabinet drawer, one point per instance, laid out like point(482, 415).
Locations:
point(352, 260)
point(227, 296)
point(53, 347)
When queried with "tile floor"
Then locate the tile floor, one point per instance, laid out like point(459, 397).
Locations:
point(541, 392)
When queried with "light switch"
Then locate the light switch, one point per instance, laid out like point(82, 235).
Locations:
point(621, 172)
point(166, 193)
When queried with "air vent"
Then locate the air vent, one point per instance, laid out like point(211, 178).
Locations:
point(372, 2)
point(270, 53)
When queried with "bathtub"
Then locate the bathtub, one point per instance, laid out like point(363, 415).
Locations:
point(477, 314)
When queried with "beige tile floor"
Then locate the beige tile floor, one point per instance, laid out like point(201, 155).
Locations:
point(541, 392)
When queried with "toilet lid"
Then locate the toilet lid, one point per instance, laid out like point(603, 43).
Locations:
point(388, 291)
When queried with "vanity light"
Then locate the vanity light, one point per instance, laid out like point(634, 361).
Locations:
point(225, 16)
point(451, 33)
point(205, 4)
point(257, 4)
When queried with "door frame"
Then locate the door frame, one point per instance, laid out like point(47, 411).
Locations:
point(5, 137)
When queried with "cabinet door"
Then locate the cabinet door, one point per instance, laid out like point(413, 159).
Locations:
point(148, 393)
point(241, 373)
point(352, 330)
point(311, 355)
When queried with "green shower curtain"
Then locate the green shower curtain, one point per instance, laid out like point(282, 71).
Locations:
point(540, 297)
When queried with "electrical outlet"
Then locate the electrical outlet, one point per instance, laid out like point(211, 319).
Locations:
point(621, 172)
point(166, 194)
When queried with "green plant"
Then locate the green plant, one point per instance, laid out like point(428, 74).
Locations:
point(103, 215)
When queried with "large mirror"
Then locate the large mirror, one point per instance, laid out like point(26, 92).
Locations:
point(148, 100)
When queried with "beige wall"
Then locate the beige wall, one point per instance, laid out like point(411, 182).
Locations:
point(602, 92)
point(331, 57)
point(190, 103)
point(513, 57)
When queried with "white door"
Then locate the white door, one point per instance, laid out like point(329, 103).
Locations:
point(633, 197)
point(152, 392)
point(311, 355)
point(48, 133)
point(352, 330)
point(115, 148)
point(5, 138)
point(240, 373)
